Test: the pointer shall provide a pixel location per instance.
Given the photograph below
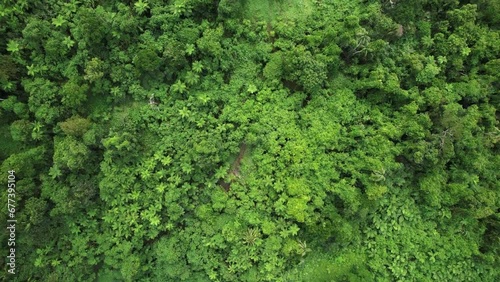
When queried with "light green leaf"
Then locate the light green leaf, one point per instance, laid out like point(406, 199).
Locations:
point(197, 67)
point(184, 112)
point(68, 42)
point(252, 88)
point(13, 46)
point(140, 6)
point(59, 21)
point(55, 172)
point(190, 49)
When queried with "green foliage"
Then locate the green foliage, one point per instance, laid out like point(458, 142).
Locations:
point(20, 130)
point(70, 153)
point(74, 93)
point(147, 60)
point(75, 126)
point(94, 70)
point(291, 140)
point(323, 267)
point(140, 6)
point(26, 162)
point(12, 46)
point(402, 244)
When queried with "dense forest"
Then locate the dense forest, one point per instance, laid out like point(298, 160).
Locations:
point(239, 140)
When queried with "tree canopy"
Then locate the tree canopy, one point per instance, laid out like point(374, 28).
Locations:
point(290, 140)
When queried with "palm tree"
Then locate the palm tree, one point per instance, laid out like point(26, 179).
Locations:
point(378, 175)
point(197, 67)
point(192, 78)
point(251, 235)
point(303, 248)
point(179, 87)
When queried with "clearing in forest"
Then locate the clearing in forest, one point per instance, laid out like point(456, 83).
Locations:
point(270, 10)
